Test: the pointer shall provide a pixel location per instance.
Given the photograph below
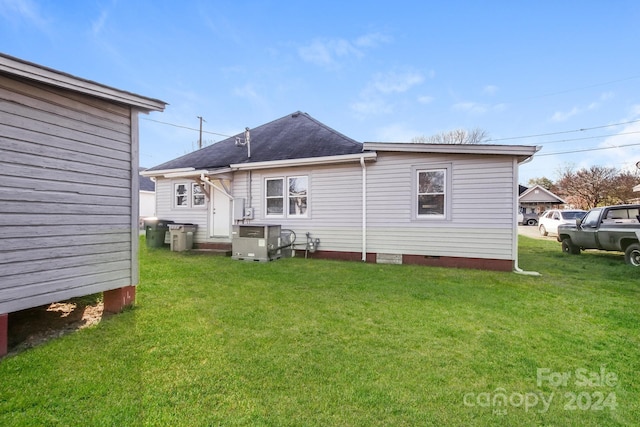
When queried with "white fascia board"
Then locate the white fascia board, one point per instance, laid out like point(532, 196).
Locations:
point(512, 150)
point(325, 160)
point(29, 70)
point(163, 172)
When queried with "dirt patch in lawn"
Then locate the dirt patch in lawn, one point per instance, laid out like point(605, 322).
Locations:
point(34, 326)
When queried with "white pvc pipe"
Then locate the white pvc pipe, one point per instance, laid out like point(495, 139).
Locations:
point(516, 268)
point(364, 209)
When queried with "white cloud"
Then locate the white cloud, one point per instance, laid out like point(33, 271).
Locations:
point(425, 99)
point(248, 92)
point(471, 107)
point(372, 40)
point(563, 116)
point(396, 132)
point(328, 52)
point(490, 89)
point(373, 98)
point(371, 107)
point(23, 10)
point(394, 82)
point(98, 24)
point(621, 150)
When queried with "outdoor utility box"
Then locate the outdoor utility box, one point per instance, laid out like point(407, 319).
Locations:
point(156, 231)
point(256, 242)
point(181, 236)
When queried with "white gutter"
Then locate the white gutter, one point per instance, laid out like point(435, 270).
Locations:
point(364, 209)
point(186, 174)
point(516, 268)
point(346, 158)
point(164, 171)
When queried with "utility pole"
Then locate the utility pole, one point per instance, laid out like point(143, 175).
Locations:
point(200, 138)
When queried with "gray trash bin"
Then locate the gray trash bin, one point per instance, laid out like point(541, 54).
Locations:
point(181, 236)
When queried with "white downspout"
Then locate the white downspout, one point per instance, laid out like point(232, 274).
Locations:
point(516, 268)
point(364, 210)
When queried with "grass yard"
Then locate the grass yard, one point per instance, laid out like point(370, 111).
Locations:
point(299, 342)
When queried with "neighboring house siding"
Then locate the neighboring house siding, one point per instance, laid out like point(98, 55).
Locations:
point(66, 202)
point(481, 193)
point(147, 204)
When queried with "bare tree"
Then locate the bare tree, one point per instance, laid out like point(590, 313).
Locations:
point(456, 136)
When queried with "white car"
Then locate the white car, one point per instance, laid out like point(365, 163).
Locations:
point(549, 221)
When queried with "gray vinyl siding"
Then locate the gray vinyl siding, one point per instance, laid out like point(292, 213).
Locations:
point(481, 202)
point(67, 200)
point(482, 194)
point(165, 208)
point(335, 203)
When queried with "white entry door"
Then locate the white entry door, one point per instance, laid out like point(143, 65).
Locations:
point(220, 214)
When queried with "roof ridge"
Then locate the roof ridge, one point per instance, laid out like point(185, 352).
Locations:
point(330, 129)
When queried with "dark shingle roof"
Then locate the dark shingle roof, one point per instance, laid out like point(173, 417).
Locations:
point(145, 183)
point(295, 136)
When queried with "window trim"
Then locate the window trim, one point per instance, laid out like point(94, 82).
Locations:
point(288, 197)
point(186, 195)
point(431, 167)
point(285, 196)
point(189, 196)
point(202, 194)
point(267, 197)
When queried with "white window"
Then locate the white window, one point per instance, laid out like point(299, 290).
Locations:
point(291, 201)
point(181, 195)
point(298, 191)
point(275, 196)
point(431, 193)
point(189, 195)
point(197, 195)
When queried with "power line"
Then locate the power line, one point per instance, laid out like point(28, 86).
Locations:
point(563, 132)
point(185, 127)
point(577, 88)
point(589, 149)
point(590, 137)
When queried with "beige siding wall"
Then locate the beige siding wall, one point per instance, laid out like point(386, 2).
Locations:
point(481, 194)
point(66, 202)
point(481, 223)
point(166, 209)
point(335, 203)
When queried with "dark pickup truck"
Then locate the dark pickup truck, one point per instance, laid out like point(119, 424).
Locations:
point(610, 228)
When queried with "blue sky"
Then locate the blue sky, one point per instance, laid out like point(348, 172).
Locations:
point(565, 72)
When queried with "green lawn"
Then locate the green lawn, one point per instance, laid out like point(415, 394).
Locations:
point(299, 342)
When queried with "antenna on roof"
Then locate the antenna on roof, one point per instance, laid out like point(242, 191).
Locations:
point(200, 138)
point(241, 142)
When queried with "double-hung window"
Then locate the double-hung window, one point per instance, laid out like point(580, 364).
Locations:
point(189, 195)
point(431, 193)
point(287, 196)
point(181, 195)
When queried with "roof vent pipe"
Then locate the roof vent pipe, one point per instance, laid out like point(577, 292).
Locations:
point(241, 142)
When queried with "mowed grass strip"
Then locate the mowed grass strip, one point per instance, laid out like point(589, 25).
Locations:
point(299, 342)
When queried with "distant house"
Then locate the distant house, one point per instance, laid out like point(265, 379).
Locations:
point(538, 199)
point(447, 205)
point(147, 190)
point(68, 189)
